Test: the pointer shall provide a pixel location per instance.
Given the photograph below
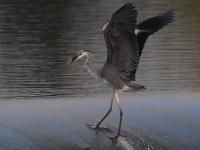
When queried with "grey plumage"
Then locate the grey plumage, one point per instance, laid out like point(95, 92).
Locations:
point(125, 40)
point(122, 47)
point(152, 25)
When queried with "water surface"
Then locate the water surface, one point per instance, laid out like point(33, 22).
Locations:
point(36, 37)
point(156, 122)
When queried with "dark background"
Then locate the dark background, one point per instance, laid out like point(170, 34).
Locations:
point(36, 37)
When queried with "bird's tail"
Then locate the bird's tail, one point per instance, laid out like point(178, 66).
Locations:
point(136, 87)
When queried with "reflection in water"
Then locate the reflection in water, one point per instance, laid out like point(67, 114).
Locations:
point(37, 37)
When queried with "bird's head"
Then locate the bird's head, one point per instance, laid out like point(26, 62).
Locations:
point(85, 54)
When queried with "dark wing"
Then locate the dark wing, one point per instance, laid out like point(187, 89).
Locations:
point(122, 44)
point(151, 25)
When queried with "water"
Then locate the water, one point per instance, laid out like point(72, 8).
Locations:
point(155, 122)
point(36, 37)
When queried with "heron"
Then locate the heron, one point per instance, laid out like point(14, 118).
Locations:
point(125, 40)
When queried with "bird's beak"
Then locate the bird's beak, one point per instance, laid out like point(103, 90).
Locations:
point(76, 57)
point(72, 59)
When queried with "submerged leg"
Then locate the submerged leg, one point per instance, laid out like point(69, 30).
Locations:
point(116, 97)
point(105, 116)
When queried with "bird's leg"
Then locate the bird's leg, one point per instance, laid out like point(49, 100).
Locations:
point(115, 138)
point(108, 112)
point(104, 117)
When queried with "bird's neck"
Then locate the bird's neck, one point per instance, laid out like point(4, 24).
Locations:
point(89, 67)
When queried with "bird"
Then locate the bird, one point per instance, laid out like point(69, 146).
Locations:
point(125, 40)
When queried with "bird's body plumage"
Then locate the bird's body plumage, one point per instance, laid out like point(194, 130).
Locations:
point(125, 40)
point(122, 46)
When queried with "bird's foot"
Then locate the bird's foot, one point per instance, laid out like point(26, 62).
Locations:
point(91, 126)
point(98, 128)
point(116, 138)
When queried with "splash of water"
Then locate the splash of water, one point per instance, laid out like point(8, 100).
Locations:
point(124, 144)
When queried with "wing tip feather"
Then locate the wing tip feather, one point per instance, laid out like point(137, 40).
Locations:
point(171, 15)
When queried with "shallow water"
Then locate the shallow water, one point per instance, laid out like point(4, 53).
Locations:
point(36, 37)
point(156, 122)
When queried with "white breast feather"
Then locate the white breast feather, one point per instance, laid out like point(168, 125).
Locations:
point(105, 26)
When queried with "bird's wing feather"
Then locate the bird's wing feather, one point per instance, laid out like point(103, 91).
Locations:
point(121, 41)
point(151, 25)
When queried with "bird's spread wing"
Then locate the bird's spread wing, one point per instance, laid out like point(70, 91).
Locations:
point(151, 25)
point(121, 41)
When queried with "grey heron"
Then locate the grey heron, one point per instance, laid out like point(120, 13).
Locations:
point(125, 40)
